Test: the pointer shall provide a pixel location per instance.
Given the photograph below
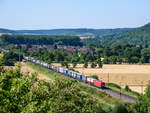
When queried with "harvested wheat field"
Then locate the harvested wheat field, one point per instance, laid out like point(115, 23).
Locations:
point(25, 68)
point(132, 75)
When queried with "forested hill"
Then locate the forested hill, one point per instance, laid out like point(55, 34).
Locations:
point(139, 36)
point(70, 32)
point(6, 31)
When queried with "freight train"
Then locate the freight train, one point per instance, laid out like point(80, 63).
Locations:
point(69, 73)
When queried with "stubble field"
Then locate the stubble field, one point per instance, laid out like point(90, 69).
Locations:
point(25, 68)
point(135, 76)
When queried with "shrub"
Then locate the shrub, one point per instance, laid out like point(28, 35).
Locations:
point(74, 64)
point(114, 85)
point(127, 88)
point(62, 64)
point(85, 64)
point(120, 108)
point(66, 64)
point(95, 77)
point(93, 65)
point(99, 62)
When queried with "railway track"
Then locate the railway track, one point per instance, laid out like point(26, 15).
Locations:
point(113, 93)
point(120, 96)
point(116, 94)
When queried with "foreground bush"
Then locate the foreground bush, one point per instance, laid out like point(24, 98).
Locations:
point(143, 105)
point(23, 93)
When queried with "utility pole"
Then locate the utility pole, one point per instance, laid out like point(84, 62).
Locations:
point(120, 90)
point(108, 80)
point(19, 52)
point(142, 87)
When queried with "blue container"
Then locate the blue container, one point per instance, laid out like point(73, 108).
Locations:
point(74, 74)
point(78, 76)
point(69, 73)
point(57, 69)
point(84, 78)
point(65, 71)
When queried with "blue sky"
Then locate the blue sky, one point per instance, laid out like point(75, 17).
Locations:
point(54, 14)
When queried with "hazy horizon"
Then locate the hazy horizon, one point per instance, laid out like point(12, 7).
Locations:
point(70, 14)
point(67, 28)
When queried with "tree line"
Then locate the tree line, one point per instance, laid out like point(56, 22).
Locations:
point(116, 54)
point(119, 53)
point(41, 40)
point(60, 56)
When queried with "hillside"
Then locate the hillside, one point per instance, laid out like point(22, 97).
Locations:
point(70, 32)
point(6, 31)
point(139, 36)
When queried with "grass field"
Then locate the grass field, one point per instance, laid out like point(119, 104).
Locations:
point(135, 76)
